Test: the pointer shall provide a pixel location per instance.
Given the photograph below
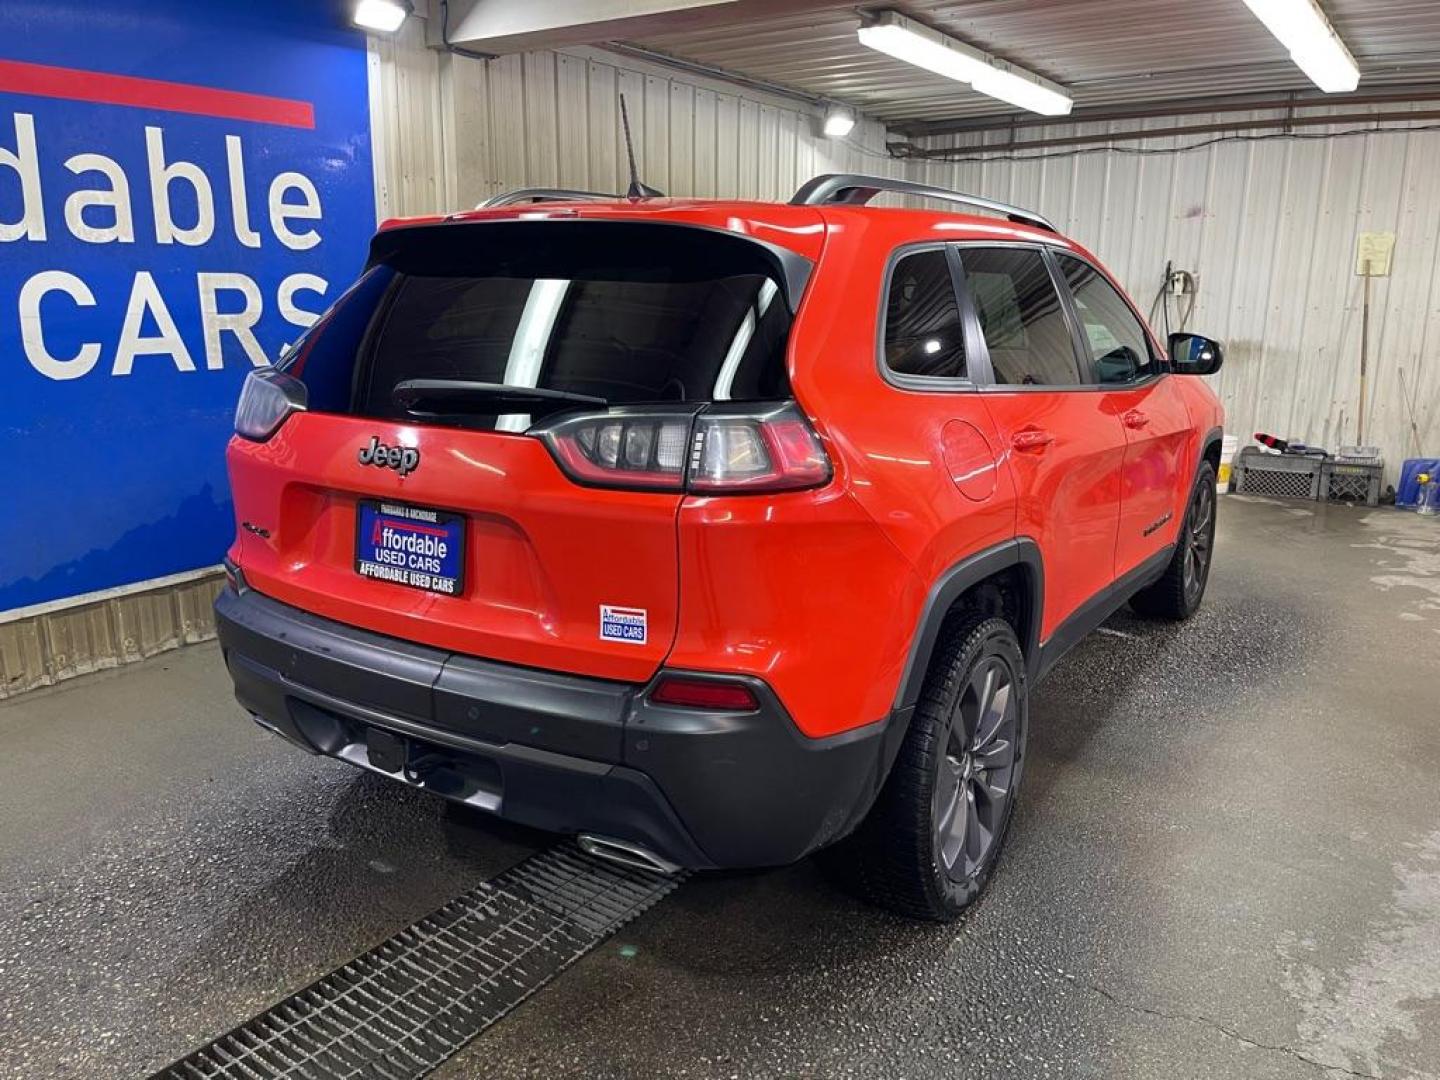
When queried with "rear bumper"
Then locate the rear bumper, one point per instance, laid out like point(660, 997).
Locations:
point(701, 789)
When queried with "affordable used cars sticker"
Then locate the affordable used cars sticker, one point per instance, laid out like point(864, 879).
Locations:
point(626, 624)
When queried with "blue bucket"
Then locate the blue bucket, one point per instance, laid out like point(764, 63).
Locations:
point(1408, 493)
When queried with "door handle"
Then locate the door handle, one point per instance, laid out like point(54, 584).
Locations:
point(1031, 439)
point(1134, 419)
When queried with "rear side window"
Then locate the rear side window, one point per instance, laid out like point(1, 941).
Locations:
point(1119, 349)
point(1021, 317)
point(923, 334)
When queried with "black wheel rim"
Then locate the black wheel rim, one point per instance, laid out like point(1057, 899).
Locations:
point(977, 770)
point(1199, 540)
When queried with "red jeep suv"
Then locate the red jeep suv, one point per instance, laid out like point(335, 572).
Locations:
point(714, 532)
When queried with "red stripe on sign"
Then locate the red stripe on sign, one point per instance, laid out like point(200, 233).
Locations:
point(428, 530)
point(42, 80)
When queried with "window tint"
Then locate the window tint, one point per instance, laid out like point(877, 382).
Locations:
point(1117, 342)
point(601, 331)
point(922, 320)
point(1021, 317)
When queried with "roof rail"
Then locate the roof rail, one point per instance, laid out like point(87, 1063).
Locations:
point(855, 189)
point(524, 195)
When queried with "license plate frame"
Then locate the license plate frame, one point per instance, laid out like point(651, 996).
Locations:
point(420, 521)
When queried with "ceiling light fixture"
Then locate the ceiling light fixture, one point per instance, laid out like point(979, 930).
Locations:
point(915, 43)
point(1317, 50)
point(838, 122)
point(382, 16)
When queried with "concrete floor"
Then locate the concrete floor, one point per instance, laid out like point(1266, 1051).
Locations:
point(1226, 863)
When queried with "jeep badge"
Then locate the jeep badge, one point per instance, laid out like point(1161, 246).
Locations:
point(403, 459)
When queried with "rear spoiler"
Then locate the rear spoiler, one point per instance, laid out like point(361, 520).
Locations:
point(472, 246)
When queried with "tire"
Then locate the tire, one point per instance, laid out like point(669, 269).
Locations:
point(934, 835)
point(1177, 593)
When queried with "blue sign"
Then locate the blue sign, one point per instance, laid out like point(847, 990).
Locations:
point(410, 545)
point(183, 188)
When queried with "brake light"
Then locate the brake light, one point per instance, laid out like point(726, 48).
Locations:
point(719, 449)
point(768, 449)
point(691, 693)
point(267, 397)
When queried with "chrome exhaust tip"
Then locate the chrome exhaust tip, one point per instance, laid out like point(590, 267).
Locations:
point(624, 853)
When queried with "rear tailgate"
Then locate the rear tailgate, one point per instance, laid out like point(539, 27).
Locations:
point(555, 574)
point(541, 555)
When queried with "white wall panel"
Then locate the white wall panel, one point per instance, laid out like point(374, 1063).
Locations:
point(451, 131)
point(1270, 229)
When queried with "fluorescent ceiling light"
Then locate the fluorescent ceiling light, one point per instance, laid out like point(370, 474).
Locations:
point(1317, 50)
point(915, 43)
point(384, 16)
point(838, 123)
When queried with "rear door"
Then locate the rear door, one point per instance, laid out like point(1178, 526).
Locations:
point(1063, 449)
point(551, 573)
point(1159, 438)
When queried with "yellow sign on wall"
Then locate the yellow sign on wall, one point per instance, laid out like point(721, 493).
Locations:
point(1372, 254)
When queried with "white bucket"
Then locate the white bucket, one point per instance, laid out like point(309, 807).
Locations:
point(1229, 447)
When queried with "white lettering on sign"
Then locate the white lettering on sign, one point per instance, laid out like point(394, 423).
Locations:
point(239, 323)
point(286, 298)
point(145, 299)
point(239, 210)
point(32, 335)
point(100, 209)
point(116, 199)
point(25, 161)
point(308, 209)
point(161, 177)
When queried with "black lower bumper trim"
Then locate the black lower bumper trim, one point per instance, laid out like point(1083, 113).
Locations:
point(555, 751)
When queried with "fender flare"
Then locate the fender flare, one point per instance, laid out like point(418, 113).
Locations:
point(955, 582)
point(949, 587)
point(1214, 436)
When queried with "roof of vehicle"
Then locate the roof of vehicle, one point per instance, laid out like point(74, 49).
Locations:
point(801, 228)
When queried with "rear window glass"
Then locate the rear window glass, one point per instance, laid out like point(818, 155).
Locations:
point(579, 319)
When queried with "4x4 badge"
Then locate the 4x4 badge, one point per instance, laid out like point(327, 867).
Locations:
point(403, 459)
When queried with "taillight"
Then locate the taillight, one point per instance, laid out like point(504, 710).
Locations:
point(717, 449)
point(771, 448)
point(633, 448)
point(694, 693)
point(267, 397)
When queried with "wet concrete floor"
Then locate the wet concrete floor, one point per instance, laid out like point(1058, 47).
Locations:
point(1226, 863)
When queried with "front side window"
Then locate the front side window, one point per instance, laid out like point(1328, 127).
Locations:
point(923, 334)
point(1119, 349)
point(1021, 317)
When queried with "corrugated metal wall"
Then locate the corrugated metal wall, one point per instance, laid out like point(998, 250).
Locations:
point(1269, 228)
point(53, 645)
point(450, 131)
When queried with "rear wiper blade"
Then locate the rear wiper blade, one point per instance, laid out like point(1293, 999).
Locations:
point(453, 396)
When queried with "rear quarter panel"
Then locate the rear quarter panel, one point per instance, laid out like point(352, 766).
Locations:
point(895, 520)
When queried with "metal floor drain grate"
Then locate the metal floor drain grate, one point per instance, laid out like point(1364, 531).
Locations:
point(401, 1009)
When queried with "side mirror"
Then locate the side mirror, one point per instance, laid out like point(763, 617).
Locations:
point(1194, 354)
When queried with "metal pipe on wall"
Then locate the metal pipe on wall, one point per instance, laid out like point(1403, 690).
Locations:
point(910, 150)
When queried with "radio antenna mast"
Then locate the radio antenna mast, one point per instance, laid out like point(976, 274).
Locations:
point(638, 189)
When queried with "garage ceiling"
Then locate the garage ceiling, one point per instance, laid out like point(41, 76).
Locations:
point(1112, 55)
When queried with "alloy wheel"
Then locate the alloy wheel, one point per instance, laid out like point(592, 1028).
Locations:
point(1199, 540)
point(977, 770)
